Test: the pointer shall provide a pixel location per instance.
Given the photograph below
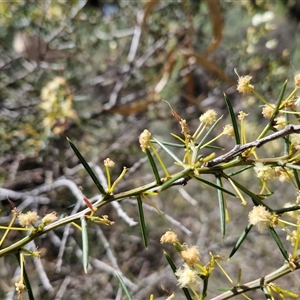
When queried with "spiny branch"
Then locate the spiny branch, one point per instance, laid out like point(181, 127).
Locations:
point(239, 149)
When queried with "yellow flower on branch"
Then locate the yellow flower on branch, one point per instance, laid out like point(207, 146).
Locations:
point(228, 130)
point(169, 237)
point(188, 277)
point(244, 85)
point(144, 139)
point(259, 216)
point(109, 163)
point(297, 80)
point(264, 172)
point(28, 219)
point(49, 218)
point(191, 255)
point(268, 111)
point(209, 117)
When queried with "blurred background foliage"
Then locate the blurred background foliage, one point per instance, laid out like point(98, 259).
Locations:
point(96, 71)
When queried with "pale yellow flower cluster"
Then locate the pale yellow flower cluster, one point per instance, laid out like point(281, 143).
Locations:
point(191, 255)
point(144, 139)
point(228, 130)
point(244, 85)
point(297, 80)
point(109, 163)
point(259, 216)
point(28, 219)
point(267, 111)
point(209, 117)
point(188, 277)
point(264, 172)
point(49, 218)
point(280, 122)
point(242, 115)
point(31, 218)
point(169, 237)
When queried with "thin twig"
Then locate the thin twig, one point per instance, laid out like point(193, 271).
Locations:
point(239, 149)
point(60, 293)
point(111, 256)
point(257, 283)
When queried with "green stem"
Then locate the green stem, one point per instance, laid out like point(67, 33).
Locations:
point(257, 283)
